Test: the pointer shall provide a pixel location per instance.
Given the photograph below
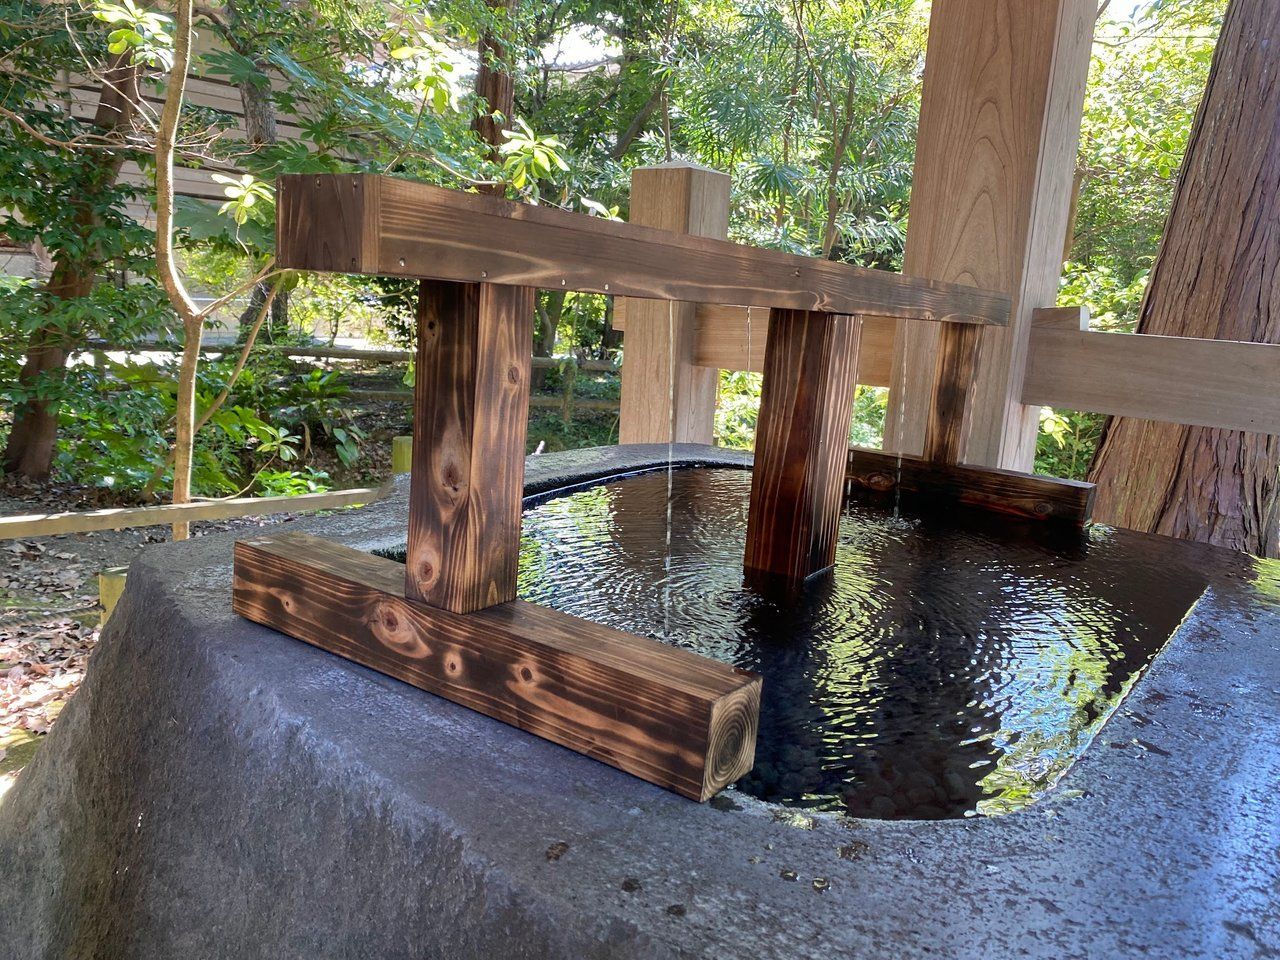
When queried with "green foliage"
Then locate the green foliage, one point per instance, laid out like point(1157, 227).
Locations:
point(291, 483)
point(528, 158)
point(738, 408)
point(1145, 85)
point(142, 33)
point(1067, 441)
point(811, 108)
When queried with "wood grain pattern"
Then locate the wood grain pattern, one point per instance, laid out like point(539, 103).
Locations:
point(995, 162)
point(471, 412)
point(950, 414)
point(1177, 380)
point(721, 340)
point(806, 403)
point(1215, 277)
point(941, 485)
point(665, 396)
point(327, 223)
point(416, 230)
point(666, 715)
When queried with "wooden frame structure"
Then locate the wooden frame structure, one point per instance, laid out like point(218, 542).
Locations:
point(448, 620)
point(1004, 87)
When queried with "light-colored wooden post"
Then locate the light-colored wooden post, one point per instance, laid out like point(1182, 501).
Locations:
point(995, 161)
point(110, 588)
point(665, 397)
point(401, 454)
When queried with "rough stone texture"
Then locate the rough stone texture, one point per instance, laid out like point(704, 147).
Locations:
point(218, 790)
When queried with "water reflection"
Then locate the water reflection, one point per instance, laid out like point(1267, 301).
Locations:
point(938, 671)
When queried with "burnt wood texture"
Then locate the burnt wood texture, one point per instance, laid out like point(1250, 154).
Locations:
point(471, 413)
point(382, 226)
point(670, 717)
point(797, 483)
point(935, 484)
point(954, 373)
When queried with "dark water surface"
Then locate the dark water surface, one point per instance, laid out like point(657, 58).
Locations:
point(939, 671)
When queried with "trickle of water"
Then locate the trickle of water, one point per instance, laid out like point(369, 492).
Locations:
point(671, 435)
point(941, 669)
point(901, 404)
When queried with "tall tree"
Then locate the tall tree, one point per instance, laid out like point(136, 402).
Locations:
point(495, 86)
point(1215, 277)
point(81, 176)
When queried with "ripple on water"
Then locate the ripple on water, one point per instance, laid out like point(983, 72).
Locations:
point(937, 672)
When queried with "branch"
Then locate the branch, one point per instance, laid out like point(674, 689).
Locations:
point(221, 398)
point(265, 273)
point(87, 142)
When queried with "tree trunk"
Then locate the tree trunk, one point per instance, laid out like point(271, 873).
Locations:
point(496, 89)
point(550, 309)
point(29, 449)
point(260, 131)
point(1215, 277)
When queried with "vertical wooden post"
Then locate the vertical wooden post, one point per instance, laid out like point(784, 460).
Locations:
point(664, 396)
point(471, 405)
point(995, 162)
point(954, 374)
point(802, 439)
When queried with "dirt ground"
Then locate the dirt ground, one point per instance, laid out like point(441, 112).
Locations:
point(49, 612)
point(49, 615)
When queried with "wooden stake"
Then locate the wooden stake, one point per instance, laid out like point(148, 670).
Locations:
point(801, 441)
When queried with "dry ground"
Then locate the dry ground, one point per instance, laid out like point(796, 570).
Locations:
point(49, 615)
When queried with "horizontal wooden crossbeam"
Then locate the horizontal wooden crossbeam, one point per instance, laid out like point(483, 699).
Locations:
point(376, 225)
point(1065, 502)
point(1209, 383)
point(663, 714)
point(723, 339)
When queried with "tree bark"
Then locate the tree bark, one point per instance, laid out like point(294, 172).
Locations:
point(167, 262)
point(550, 309)
point(260, 131)
point(496, 89)
point(29, 449)
point(1215, 277)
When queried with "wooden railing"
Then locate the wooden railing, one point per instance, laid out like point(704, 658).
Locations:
point(121, 518)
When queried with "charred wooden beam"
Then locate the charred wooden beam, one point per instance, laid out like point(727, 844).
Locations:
point(663, 714)
point(954, 376)
point(937, 484)
point(376, 225)
point(471, 415)
point(797, 483)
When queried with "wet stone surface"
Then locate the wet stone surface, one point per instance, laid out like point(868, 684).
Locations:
point(216, 789)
